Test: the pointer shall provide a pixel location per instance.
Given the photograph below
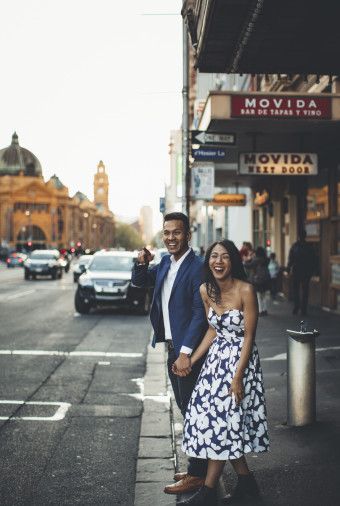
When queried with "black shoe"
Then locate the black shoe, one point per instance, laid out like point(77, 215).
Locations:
point(245, 490)
point(206, 496)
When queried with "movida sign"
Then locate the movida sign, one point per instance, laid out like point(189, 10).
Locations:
point(278, 164)
point(280, 106)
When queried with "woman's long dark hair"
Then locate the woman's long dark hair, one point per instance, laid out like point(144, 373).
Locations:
point(237, 269)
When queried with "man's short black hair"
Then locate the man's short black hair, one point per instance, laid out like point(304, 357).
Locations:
point(178, 216)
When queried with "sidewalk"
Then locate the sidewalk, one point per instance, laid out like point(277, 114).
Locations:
point(303, 466)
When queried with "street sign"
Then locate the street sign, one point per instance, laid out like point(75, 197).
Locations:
point(209, 154)
point(201, 137)
point(202, 182)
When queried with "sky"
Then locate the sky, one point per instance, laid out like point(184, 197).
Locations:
point(84, 81)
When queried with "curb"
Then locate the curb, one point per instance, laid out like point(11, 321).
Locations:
point(156, 462)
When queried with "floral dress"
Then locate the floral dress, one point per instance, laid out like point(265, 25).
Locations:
point(215, 426)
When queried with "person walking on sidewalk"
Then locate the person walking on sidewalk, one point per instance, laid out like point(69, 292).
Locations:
point(226, 416)
point(178, 318)
point(302, 263)
point(259, 276)
point(274, 272)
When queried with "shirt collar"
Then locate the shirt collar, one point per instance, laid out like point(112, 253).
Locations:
point(180, 260)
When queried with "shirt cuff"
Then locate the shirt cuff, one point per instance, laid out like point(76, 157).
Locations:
point(185, 349)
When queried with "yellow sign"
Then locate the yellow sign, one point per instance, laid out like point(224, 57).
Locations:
point(229, 199)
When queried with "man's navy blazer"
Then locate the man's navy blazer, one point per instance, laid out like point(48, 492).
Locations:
point(187, 316)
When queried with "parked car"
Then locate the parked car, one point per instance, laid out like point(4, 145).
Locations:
point(80, 266)
point(16, 260)
point(44, 262)
point(107, 282)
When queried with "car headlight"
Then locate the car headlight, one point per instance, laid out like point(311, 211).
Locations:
point(85, 281)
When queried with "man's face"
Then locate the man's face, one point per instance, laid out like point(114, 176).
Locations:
point(175, 237)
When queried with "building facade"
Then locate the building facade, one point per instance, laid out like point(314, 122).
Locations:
point(39, 214)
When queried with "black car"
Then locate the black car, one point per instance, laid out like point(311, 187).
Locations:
point(107, 282)
point(80, 266)
point(44, 262)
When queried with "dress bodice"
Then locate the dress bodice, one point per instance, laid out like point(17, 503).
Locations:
point(229, 325)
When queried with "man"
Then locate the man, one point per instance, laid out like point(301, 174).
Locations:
point(302, 263)
point(178, 318)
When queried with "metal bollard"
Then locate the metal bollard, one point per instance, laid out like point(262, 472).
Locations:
point(301, 376)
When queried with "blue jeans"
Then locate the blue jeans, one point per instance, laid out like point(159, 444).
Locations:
point(183, 387)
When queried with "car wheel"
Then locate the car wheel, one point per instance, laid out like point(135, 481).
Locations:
point(54, 275)
point(60, 274)
point(81, 306)
point(34, 276)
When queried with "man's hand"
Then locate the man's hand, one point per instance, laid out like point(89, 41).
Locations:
point(144, 256)
point(182, 366)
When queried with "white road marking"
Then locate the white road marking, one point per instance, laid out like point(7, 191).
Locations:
point(283, 356)
point(5, 298)
point(141, 397)
point(58, 415)
point(71, 353)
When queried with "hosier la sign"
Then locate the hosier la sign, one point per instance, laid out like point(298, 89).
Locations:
point(278, 164)
point(261, 106)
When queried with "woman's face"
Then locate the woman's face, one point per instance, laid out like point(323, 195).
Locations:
point(219, 262)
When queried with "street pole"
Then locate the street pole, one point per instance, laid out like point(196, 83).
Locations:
point(185, 126)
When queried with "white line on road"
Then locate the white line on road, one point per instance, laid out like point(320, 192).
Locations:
point(71, 353)
point(5, 298)
point(58, 415)
point(283, 356)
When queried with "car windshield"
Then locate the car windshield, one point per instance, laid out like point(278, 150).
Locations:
point(43, 256)
point(114, 263)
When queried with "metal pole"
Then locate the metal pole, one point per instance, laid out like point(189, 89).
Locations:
point(185, 125)
point(301, 380)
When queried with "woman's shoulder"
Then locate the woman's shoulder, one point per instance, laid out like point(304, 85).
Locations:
point(245, 287)
point(203, 289)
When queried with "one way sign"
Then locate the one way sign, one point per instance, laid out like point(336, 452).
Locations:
point(201, 137)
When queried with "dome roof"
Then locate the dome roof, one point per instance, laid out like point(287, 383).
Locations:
point(14, 159)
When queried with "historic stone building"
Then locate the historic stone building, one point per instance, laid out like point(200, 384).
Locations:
point(39, 214)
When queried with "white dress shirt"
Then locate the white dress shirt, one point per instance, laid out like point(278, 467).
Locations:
point(168, 283)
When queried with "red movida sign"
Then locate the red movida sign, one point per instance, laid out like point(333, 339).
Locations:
point(281, 106)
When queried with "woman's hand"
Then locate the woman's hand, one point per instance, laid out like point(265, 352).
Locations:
point(236, 388)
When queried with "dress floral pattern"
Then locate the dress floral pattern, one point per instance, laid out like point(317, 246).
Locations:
point(215, 426)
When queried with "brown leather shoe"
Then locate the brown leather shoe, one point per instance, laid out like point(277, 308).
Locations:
point(186, 484)
point(180, 476)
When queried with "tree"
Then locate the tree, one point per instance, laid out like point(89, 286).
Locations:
point(127, 237)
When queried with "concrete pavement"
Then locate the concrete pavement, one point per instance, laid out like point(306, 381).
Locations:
point(303, 464)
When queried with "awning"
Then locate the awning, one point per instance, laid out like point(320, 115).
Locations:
point(265, 36)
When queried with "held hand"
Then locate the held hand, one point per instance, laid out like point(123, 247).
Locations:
point(236, 388)
point(182, 366)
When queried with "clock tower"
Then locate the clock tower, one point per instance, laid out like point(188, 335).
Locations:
point(101, 188)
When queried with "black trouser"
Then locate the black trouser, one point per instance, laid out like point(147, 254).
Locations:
point(303, 283)
point(183, 387)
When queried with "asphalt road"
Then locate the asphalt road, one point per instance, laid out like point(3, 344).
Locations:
point(75, 440)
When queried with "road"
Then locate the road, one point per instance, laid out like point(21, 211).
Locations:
point(75, 438)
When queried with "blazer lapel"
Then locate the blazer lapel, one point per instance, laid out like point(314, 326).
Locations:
point(181, 271)
point(161, 274)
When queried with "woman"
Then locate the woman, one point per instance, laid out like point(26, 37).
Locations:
point(259, 277)
point(226, 416)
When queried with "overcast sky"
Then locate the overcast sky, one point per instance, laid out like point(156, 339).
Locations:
point(84, 81)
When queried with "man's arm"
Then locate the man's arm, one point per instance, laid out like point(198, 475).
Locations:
point(142, 276)
point(199, 323)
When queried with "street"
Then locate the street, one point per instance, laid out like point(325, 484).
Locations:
point(75, 440)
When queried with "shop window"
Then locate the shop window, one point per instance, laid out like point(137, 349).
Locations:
point(317, 203)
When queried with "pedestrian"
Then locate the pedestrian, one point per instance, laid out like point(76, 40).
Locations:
point(202, 253)
point(246, 250)
point(259, 277)
point(302, 264)
point(274, 271)
point(178, 318)
point(226, 416)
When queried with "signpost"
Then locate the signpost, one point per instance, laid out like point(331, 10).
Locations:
point(229, 199)
point(202, 137)
point(209, 154)
point(278, 164)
